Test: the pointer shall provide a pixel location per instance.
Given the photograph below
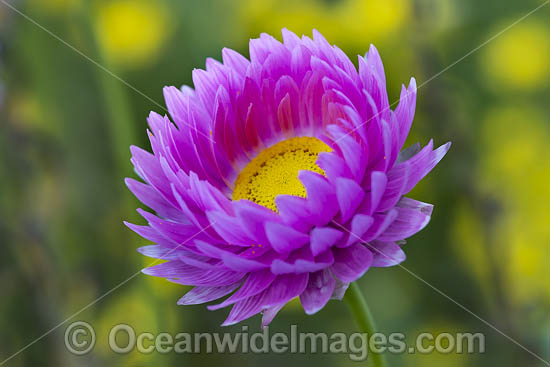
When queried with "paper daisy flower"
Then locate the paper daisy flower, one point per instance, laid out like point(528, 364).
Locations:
point(280, 177)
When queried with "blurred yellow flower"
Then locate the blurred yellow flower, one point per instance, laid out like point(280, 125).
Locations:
point(515, 171)
point(346, 22)
point(471, 246)
point(130, 307)
point(519, 58)
point(131, 33)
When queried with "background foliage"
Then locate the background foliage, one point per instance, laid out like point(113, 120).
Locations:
point(66, 124)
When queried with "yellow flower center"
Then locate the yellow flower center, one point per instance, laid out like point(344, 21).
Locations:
point(275, 171)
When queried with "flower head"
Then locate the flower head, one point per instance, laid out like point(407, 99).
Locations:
point(282, 177)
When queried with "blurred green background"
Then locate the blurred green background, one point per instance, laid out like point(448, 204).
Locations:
point(66, 125)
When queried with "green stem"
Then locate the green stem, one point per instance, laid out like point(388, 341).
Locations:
point(363, 317)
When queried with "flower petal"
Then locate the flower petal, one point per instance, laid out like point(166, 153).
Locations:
point(386, 254)
point(321, 198)
point(407, 222)
point(349, 195)
point(255, 283)
point(282, 290)
point(351, 262)
point(200, 295)
point(322, 238)
point(284, 239)
point(318, 292)
point(294, 211)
